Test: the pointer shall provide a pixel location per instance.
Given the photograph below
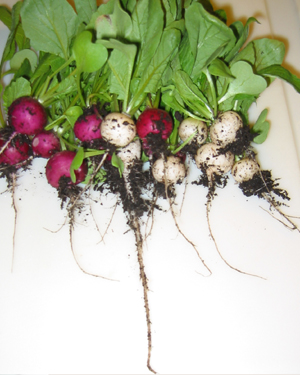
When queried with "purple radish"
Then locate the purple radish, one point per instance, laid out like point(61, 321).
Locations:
point(58, 166)
point(15, 152)
point(45, 144)
point(87, 126)
point(27, 116)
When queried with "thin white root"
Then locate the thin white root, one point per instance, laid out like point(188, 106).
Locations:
point(208, 206)
point(13, 188)
point(181, 232)
point(109, 223)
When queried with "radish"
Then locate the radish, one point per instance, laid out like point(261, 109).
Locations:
point(154, 127)
point(27, 116)
point(170, 171)
point(245, 169)
point(224, 129)
point(45, 144)
point(118, 129)
point(191, 125)
point(16, 151)
point(254, 181)
point(58, 166)
point(87, 126)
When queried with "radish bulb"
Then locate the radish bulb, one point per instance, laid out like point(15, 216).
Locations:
point(87, 126)
point(191, 125)
point(170, 171)
point(209, 159)
point(245, 169)
point(224, 129)
point(130, 153)
point(27, 116)
point(45, 144)
point(118, 129)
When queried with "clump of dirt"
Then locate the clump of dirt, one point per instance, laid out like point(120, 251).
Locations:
point(244, 137)
point(261, 184)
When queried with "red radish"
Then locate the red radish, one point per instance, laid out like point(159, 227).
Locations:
point(15, 152)
point(45, 144)
point(27, 116)
point(154, 120)
point(58, 166)
point(87, 126)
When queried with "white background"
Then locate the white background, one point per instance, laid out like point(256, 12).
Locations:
point(56, 319)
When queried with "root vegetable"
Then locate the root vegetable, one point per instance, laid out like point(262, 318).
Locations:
point(224, 129)
point(16, 151)
point(245, 169)
point(87, 126)
point(130, 153)
point(209, 159)
point(191, 125)
point(156, 121)
point(169, 171)
point(58, 166)
point(118, 129)
point(27, 116)
point(45, 144)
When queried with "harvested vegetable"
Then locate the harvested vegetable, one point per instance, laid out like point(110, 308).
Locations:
point(127, 90)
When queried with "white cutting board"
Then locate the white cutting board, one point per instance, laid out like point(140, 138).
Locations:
point(56, 319)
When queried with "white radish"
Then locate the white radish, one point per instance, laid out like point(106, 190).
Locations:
point(118, 129)
point(245, 169)
point(169, 171)
point(130, 153)
point(191, 125)
point(209, 158)
point(224, 129)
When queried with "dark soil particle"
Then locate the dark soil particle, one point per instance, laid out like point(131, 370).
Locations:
point(261, 184)
point(243, 139)
point(218, 181)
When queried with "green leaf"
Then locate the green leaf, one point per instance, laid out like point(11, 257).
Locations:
point(261, 53)
point(19, 57)
point(245, 82)
point(76, 163)
point(85, 9)
point(190, 94)
point(50, 25)
point(117, 163)
point(243, 37)
point(278, 71)
point(115, 25)
point(151, 78)
point(208, 37)
point(148, 21)
point(89, 56)
point(73, 113)
point(5, 16)
point(16, 89)
point(220, 69)
point(261, 127)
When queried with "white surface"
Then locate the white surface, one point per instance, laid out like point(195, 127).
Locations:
point(55, 319)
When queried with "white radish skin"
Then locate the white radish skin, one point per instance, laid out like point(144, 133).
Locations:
point(244, 169)
point(130, 153)
point(208, 157)
point(118, 129)
point(191, 125)
point(223, 130)
point(169, 171)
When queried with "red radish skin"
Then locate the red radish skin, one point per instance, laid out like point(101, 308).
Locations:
point(59, 165)
point(87, 126)
point(15, 152)
point(45, 144)
point(154, 120)
point(27, 116)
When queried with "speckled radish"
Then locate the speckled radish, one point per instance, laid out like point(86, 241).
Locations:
point(27, 116)
point(224, 129)
point(191, 125)
point(130, 153)
point(208, 157)
point(45, 144)
point(245, 169)
point(118, 129)
point(15, 152)
point(156, 121)
point(58, 166)
point(169, 171)
point(88, 126)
